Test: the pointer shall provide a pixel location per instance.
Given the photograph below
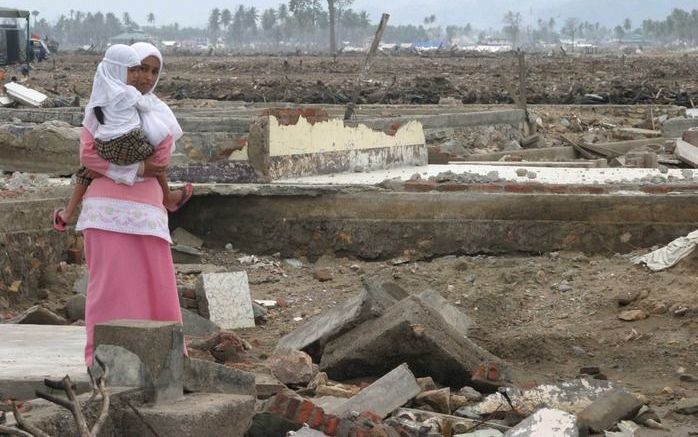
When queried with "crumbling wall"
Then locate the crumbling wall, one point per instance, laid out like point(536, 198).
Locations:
point(303, 148)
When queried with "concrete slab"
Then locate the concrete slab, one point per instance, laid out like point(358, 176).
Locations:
point(160, 347)
point(225, 299)
point(24, 95)
point(411, 332)
point(312, 335)
point(197, 414)
point(383, 396)
point(30, 353)
point(560, 176)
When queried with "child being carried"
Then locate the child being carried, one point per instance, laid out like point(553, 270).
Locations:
point(121, 137)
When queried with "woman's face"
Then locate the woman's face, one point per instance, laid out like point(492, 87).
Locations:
point(150, 70)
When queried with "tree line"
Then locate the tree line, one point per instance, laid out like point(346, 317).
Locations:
point(328, 24)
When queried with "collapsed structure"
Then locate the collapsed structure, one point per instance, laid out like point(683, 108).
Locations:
point(301, 183)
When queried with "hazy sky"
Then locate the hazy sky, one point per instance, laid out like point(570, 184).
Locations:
point(480, 13)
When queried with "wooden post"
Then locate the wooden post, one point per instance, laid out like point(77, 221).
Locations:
point(530, 126)
point(367, 66)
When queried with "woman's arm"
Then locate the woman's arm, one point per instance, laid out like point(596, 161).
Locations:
point(122, 174)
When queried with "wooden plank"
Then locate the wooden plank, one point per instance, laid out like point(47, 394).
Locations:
point(687, 153)
point(579, 149)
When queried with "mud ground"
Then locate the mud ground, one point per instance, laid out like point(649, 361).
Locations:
point(656, 78)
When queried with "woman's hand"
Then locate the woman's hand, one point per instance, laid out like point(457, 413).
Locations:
point(93, 174)
point(150, 169)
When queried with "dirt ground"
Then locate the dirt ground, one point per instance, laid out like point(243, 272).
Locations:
point(647, 78)
point(546, 315)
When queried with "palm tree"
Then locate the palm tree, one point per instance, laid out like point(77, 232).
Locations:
point(214, 22)
point(151, 18)
point(283, 12)
point(226, 18)
point(127, 19)
point(35, 13)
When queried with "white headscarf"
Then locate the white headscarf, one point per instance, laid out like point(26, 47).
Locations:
point(160, 109)
point(109, 84)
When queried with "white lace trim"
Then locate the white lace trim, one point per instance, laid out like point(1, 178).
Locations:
point(123, 216)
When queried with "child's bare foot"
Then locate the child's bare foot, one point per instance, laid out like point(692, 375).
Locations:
point(177, 198)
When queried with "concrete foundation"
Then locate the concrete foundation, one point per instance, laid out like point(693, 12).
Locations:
point(374, 224)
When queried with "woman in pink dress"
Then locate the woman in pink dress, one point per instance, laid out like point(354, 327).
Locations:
point(125, 225)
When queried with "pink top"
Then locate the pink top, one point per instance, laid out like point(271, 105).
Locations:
point(110, 206)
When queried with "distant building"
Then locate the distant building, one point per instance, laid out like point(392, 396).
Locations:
point(12, 38)
point(131, 37)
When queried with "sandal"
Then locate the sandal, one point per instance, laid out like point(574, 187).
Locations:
point(58, 223)
point(187, 192)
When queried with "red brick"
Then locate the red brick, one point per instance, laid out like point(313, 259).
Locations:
point(278, 404)
point(304, 412)
point(292, 409)
point(290, 116)
point(519, 188)
point(371, 416)
point(317, 418)
point(451, 187)
point(420, 186)
point(73, 256)
point(486, 188)
point(331, 425)
point(555, 189)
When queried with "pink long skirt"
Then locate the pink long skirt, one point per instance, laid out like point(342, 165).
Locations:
point(131, 277)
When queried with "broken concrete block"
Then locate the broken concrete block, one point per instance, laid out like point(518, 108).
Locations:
point(570, 396)
point(125, 368)
point(197, 414)
point(691, 136)
point(687, 153)
point(687, 406)
point(548, 423)
point(182, 237)
point(456, 318)
point(609, 409)
point(207, 377)
point(267, 385)
point(75, 307)
point(186, 255)
point(80, 286)
point(197, 326)
point(6, 101)
point(225, 299)
point(439, 400)
point(159, 345)
point(383, 396)
point(675, 127)
point(24, 95)
point(38, 315)
point(294, 368)
point(311, 337)
point(412, 332)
